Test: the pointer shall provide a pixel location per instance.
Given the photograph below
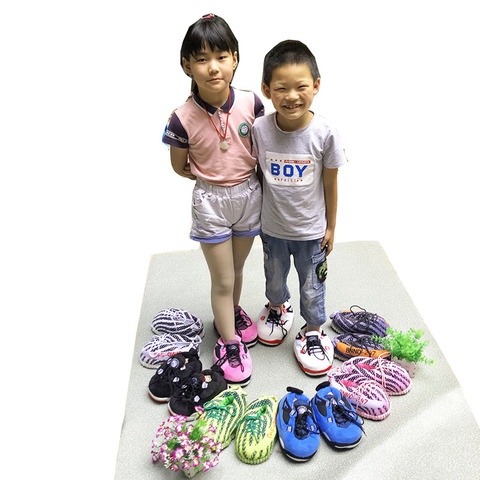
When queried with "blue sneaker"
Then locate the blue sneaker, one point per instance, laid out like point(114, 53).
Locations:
point(337, 420)
point(297, 431)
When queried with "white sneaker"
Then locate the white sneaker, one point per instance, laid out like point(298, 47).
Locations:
point(274, 324)
point(313, 351)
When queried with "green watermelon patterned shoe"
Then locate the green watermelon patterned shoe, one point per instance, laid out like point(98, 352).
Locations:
point(256, 431)
point(224, 412)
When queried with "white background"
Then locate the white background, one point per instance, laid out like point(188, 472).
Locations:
point(88, 195)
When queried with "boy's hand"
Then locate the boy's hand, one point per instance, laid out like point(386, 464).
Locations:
point(328, 241)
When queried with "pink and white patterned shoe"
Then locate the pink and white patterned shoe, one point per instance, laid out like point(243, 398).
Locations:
point(368, 398)
point(235, 361)
point(391, 376)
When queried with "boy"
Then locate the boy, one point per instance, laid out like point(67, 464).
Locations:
point(299, 155)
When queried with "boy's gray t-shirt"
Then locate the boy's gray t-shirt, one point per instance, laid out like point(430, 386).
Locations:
point(292, 163)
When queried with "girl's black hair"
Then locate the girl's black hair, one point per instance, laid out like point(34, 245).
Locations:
point(212, 31)
point(288, 52)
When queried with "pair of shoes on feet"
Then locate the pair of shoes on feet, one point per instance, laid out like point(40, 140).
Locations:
point(182, 383)
point(176, 331)
point(368, 383)
point(253, 425)
point(300, 421)
point(313, 350)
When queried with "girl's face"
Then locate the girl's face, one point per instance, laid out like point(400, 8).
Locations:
point(213, 72)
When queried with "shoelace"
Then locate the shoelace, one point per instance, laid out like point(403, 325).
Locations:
point(345, 415)
point(385, 367)
point(363, 318)
point(314, 346)
point(274, 318)
point(232, 355)
point(301, 429)
point(256, 424)
point(242, 322)
point(169, 374)
point(365, 342)
point(215, 410)
point(192, 390)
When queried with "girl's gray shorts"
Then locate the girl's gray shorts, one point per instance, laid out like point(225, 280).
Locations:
point(220, 212)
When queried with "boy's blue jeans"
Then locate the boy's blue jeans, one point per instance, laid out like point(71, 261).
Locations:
point(307, 255)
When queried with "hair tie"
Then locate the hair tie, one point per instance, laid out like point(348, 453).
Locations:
point(210, 15)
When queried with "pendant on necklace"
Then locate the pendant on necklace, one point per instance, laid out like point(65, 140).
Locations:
point(224, 145)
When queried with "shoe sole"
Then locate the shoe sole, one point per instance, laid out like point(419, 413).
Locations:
point(313, 373)
point(241, 383)
point(341, 446)
point(293, 457)
point(158, 399)
point(270, 343)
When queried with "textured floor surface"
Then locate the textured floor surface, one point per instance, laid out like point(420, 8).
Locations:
point(430, 433)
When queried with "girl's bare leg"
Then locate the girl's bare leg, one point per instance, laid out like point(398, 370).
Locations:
point(225, 262)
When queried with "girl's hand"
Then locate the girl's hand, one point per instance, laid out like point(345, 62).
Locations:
point(180, 163)
point(186, 172)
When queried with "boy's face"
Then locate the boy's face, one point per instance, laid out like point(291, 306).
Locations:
point(291, 91)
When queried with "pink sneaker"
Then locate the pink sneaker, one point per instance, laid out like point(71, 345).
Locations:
point(235, 361)
point(245, 327)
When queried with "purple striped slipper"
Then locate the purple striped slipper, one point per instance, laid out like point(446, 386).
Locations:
point(391, 376)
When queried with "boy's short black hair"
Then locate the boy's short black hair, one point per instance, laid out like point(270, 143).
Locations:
point(210, 30)
point(288, 52)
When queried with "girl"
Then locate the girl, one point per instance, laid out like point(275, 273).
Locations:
point(209, 138)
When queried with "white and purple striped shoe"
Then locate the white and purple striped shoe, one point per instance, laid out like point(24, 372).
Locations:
point(369, 399)
point(162, 347)
point(178, 321)
point(391, 376)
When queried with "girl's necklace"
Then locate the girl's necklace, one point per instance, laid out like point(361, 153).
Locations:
point(223, 143)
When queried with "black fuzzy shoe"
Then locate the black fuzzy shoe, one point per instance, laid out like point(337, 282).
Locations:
point(172, 374)
point(199, 388)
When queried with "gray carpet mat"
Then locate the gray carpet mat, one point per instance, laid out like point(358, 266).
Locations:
point(430, 434)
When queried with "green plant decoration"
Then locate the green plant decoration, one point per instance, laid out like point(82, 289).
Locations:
point(405, 345)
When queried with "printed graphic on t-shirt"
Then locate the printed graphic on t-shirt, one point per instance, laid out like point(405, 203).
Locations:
point(287, 169)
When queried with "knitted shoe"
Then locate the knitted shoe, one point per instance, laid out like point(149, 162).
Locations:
point(224, 413)
point(350, 345)
point(256, 431)
point(363, 322)
point(391, 376)
point(368, 398)
point(175, 320)
point(162, 347)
